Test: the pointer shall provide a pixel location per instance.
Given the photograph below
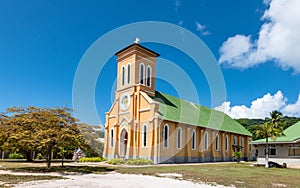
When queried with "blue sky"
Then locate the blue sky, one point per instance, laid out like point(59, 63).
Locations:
point(42, 42)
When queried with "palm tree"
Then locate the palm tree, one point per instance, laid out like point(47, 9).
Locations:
point(272, 128)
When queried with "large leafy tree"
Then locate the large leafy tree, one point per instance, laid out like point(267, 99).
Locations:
point(91, 146)
point(271, 129)
point(18, 131)
point(43, 129)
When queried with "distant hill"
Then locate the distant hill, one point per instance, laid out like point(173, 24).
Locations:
point(250, 124)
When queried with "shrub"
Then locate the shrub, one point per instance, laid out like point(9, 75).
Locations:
point(91, 159)
point(116, 161)
point(16, 156)
point(237, 156)
point(39, 156)
point(139, 162)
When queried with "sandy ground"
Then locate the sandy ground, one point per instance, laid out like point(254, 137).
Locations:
point(114, 180)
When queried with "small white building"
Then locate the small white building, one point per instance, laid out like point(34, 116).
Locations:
point(285, 149)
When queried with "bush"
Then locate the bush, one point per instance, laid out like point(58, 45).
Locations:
point(116, 161)
point(139, 162)
point(16, 156)
point(91, 159)
point(237, 156)
point(39, 156)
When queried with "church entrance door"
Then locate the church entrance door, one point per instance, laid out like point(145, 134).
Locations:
point(123, 143)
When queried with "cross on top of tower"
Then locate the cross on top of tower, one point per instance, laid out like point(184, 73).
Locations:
point(137, 40)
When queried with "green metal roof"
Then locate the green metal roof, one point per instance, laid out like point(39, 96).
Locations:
point(291, 134)
point(182, 111)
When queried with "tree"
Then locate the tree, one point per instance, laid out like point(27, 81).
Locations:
point(57, 130)
point(91, 145)
point(272, 128)
point(18, 131)
point(43, 129)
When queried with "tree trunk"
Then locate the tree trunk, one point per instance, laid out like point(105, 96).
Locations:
point(48, 157)
point(28, 156)
point(62, 160)
point(267, 154)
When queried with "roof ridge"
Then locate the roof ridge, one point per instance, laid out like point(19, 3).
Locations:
point(179, 110)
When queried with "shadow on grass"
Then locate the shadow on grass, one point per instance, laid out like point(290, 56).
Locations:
point(35, 161)
point(8, 179)
point(60, 169)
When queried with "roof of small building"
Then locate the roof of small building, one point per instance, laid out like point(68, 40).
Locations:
point(291, 135)
point(182, 111)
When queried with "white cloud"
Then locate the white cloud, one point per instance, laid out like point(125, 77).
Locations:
point(293, 109)
point(266, 2)
point(234, 51)
point(278, 39)
point(201, 28)
point(261, 107)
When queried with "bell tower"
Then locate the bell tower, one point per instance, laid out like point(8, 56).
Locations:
point(136, 67)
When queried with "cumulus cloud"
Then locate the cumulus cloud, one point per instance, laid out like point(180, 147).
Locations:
point(201, 28)
point(293, 109)
point(278, 39)
point(261, 107)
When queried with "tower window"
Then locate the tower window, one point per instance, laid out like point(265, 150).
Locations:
point(123, 76)
point(148, 80)
point(128, 73)
point(142, 73)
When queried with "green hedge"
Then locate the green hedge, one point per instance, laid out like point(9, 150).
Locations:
point(116, 161)
point(16, 156)
point(91, 159)
point(139, 162)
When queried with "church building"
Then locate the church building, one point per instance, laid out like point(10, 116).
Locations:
point(145, 123)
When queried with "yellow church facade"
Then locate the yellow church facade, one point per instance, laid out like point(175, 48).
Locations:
point(145, 123)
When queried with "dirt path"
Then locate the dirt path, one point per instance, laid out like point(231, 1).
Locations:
point(114, 180)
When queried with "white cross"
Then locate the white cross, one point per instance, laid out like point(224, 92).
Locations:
point(137, 40)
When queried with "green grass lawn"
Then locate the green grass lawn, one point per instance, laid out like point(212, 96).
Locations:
point(239, 175)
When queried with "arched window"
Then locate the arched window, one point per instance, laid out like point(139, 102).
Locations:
point(144, 136)
point(242, 144)
point(194, 140)
point(234, 140)
point(111, 138)
point(128, 73)
point(166, 135)
point(123, 76)
point(142, 73)
point(226, 143)
point(205, 141)
point(234, 144)
point(148, 80)
point(217, 142)
point(179, 138)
